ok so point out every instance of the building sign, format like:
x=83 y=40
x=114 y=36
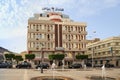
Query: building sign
x=52 y=9
x=59 y=48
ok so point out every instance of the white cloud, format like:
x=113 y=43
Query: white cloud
x=13 y=32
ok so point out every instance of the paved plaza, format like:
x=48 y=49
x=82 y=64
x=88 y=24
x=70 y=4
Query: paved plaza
x=76 y=74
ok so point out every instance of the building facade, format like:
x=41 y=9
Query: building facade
x=105 y=51
x=54 y=32
x=23 y=55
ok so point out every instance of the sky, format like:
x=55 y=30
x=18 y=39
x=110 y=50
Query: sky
x=101 y=16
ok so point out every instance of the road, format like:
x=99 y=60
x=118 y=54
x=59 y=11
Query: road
x=27 y=74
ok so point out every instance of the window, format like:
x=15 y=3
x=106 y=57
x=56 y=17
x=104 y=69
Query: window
x=117 y=43
x=98 y=53
x=40 y=36
x=81 y=28
x=68 y=28
x=51 y=36
x=76 y=37
x=51 y=45
x=69 y=37
x=103 y=45
x=40 y=15
x=47 y=15
x=71 y=28
x=116 y=52
x=61 y=16
x=72 y=36
x=96 y=62
x=89 y=49
x=76 y=28
x=66 y=36
x=48 y=45
x=108 y=44
x=99 y=46
x=66 y=45
x=48 y=37
x=81 y=37
x=65 y=27
x=103 y=53
x=101 y=61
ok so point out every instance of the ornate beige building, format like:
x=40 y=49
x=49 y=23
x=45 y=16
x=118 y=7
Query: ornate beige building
x=105 y=51
x=54 y=32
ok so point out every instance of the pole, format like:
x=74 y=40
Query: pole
x=41 y=60
x=92 y=57
x=93 y=53
x=112 y=56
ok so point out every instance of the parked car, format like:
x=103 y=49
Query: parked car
x=24 y=64
x=5 y=65
x=42 y=65
x=88 y=65
x=75 y=65
x=109 y=65
x=98 y=65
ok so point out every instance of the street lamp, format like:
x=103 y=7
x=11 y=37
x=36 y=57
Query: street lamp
x=111 y=51
x=92 y=47
x=42 y=58
x=92 y=57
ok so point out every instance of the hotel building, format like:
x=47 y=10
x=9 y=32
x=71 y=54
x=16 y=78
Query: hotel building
x=54 y=32
x=105 y=51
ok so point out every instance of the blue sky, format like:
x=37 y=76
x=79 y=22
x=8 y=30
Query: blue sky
x=102 y=16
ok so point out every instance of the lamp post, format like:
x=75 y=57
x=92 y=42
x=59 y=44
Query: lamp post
x=112 y=58
x=92 y=57
x=42 y=58
x=63 y=61
x=92 y=47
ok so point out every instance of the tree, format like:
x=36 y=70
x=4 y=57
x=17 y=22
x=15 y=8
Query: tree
x=10 y=56
x=81 y=57
x=52 y=57
x=30 y=56
x=18 y=58
x=58 y=57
